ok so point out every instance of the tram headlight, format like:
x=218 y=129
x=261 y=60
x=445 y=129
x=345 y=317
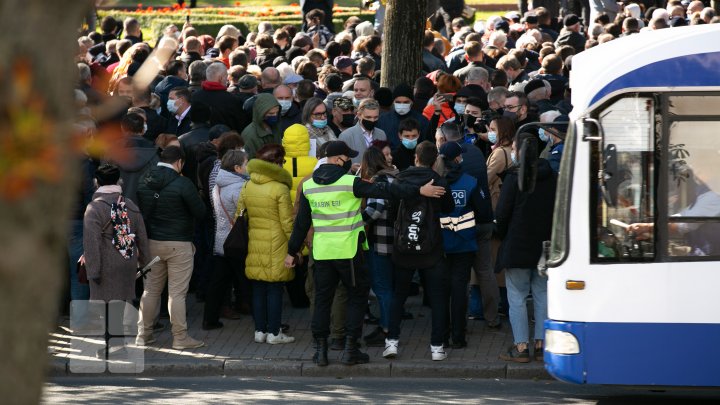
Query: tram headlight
x=561 y=342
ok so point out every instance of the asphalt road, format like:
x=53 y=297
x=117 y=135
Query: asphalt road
x=214 y=390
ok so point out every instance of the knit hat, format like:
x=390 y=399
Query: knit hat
x=247 y=82
x=570 y=20
x=403 y=90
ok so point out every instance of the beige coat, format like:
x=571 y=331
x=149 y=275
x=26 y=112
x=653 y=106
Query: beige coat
x=497 y=163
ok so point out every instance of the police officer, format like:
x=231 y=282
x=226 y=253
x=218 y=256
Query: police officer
x=331 y=203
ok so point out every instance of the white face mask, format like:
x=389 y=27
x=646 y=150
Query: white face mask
x=402 y=108
x=144 y=128
x=285 y=105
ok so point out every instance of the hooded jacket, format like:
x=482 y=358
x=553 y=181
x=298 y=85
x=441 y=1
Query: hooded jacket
x=269 y=210
x=524 y=220
x=171 y=216
x=419 y=176
x=298 y=161
x=225 y=197
x=142 y=156
x=256 y=135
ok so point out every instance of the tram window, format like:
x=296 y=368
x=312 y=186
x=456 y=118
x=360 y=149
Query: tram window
x=694 y=189
x=694 y=105
x=625 y=185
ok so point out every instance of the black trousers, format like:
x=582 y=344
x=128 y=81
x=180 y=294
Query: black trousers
x=459 y=266
x=353 y=273
x=223 y=272
x=436 y=284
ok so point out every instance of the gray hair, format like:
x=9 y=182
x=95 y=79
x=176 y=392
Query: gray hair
x=549 y=116
x=216 y=71
x=232 y=158
x=497 y=94
x=477 y=74
x=84 y=71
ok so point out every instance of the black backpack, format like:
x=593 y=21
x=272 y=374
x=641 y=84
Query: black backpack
x=415 y=227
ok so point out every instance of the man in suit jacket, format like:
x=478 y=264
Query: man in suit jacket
x=178 y=105
x=364 y=132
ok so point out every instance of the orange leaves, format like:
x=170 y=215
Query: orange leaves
x=29 y=153
x=237 y=4
x=294 y=5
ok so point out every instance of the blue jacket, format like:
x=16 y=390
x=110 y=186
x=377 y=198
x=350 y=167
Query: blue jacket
x=389 y=122
x=459 y=228
x=474 y=164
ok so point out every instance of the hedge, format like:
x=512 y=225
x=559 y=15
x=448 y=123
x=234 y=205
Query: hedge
x=209 y=20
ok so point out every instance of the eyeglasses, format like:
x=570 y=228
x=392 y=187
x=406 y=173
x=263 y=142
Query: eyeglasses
x=320 y=114
x=512 y=107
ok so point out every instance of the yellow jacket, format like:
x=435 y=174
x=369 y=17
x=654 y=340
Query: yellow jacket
x=298 y=161
x=266 y=199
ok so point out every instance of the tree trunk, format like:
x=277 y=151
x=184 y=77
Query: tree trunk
x=402 y=49
x=37 y=76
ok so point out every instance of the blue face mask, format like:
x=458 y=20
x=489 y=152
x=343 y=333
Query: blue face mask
x=513 y=157
x=271 y=120
x=492 y=137
x=544 y=136
x=409 y=144
x=285 y=105
x=319 y=123
x=171 y=106
x=459 y=108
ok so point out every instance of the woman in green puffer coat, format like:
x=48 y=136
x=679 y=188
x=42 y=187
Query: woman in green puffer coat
x=266 y=199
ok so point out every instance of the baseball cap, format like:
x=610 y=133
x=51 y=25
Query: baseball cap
x=570 y=20
x=451 y=150
x=343 y=103
x=337 y=148
x=342 y=62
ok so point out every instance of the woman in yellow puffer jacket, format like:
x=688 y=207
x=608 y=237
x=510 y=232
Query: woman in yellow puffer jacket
x=266 y=199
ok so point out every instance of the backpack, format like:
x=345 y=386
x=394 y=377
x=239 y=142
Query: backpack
x=123 y=239
x=415 y=227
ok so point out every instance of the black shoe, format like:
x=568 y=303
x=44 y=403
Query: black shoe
x=212 y=325
x=459 y=344
x=406 y=316
x=352 y=354
x=370 y=318
x=321 y=348
x=497 y=325
x=376 y=338
x=284 y=327
x=513 y=354
x=337 y=344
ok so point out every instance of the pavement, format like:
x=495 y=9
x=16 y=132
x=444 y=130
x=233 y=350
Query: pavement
x=231 y=351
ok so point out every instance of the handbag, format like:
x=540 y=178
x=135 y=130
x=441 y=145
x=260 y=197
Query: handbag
x=236 y=243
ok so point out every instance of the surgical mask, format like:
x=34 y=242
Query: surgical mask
x=285 y=105
x=459 y=108
x=347 y=165
x=368 y=125
x=158 y=110
x=271 y=120
x=513 y=157
x=348 y=120
x=319 y=123
x=144 y=128
x=402 y=108
x=171 y=106
x=544 y=136
x=356 y=102
x=492 y=137
x=409 y=143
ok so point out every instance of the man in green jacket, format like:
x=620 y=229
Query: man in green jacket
x=264 y=128
x=331 y=202
x=170 y=205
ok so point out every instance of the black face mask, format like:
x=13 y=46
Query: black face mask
x=368 y=125
x=347 y=165
x=348 y=120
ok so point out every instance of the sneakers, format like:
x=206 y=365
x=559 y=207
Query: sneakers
x=513 y=354
x=279 y=339
x=187 y=343
x=391 y=348
x=376 y=338
x=438 y=353
x=260 y=336
x=144 y=340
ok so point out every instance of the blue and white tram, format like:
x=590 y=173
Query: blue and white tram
x=634 y=277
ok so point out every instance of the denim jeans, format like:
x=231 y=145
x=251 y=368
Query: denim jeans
x=437 y=283
x=78 y=292
x=458 y=265
x=519 y=284
x=381 y=281
x=475 y=306
x=267 y=306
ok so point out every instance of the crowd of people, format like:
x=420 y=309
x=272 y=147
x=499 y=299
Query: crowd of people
x=346 y=186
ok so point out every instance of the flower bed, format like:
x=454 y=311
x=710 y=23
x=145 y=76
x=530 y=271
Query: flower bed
x=208 y=20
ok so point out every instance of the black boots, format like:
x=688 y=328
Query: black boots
x=352 y=354
x=321 y=348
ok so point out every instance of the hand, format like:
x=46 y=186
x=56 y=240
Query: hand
x=289 y=261
x=316 y=40
x=81 y=260
x=642 y=231
x=437 y=102
x=428 y=190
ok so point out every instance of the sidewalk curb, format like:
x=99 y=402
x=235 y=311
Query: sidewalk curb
x=292 y=368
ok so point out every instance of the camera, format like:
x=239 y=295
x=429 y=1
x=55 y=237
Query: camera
x=481 y=124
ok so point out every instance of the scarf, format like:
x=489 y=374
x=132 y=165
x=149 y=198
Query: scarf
x=109 y=189
x=213 y=86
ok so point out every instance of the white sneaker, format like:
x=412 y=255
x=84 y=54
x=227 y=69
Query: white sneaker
x=438 y=353
x=141 y=340
x=260 y=336
x=279 y=339
x=391 y=348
